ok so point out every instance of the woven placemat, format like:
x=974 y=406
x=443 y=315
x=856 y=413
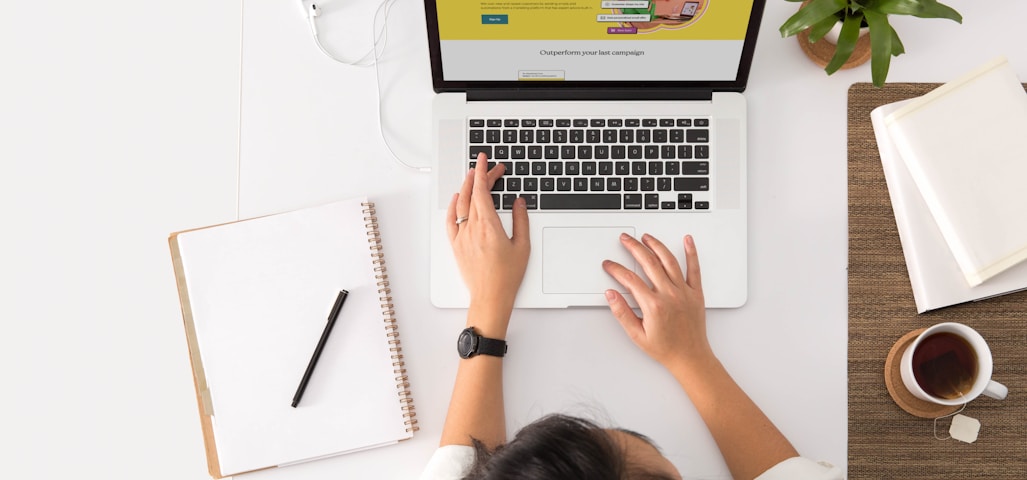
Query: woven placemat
x=886 y=442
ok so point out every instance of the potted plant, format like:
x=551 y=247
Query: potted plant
x=820 y=16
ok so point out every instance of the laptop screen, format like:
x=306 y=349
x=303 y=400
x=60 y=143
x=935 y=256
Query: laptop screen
x=529 y=43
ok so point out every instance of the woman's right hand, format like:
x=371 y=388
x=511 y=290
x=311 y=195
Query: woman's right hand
x=672 y=329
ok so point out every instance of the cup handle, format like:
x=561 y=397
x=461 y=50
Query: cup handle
x=996 y=390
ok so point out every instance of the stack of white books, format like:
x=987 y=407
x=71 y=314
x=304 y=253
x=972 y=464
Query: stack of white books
x=955 y=161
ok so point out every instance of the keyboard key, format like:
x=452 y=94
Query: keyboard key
x=513 y=184
x=597 y=122
x=702 y=205
x=527 y=136
x=632 y=201
x=684 y=201
x=615 y=122
x=672 y=168
x=622 y=168
x=677 y=135
x=508 y=168
x=667 y=205
x=617 y=152
x=596 y=184
x=652 y=152
x=702 y=122
x=563 y=122
x=580 y=201
x=666 y=122
x=530 y=200
x=534 y=152
x=652 y=201
x=477 y=122
x=495 y=201
x=697 y=135
x=476 y=149
x=527 y=122
x=572 y=168
x=548 y=184
x=684 y=122
x=691 y=184
x=517 y=152
x=567 y=152
x=663 y=184
x=613 y=184
x=477 y=136
x=631 y=184
x=643 y=136
x=593 y=136
x=601 y=152
x=494 y=123
x=563 y=184
x=510 y=136
x=635 y=151
x=655 y=168
x=684 y=151
x=547 y=123
x=588 y=168
x=695 y=168
x=543 y=136
x=555 y=168
x=638 y=168
x=559 y=136
x=610 y=136
x=647 y=184
x=552 y=152
x=508 y=200
x=502 y=152
x=580 y=122
x=498 y=186
x=627 y=136
x=576 y=136
x=581 y=184
x=606 y=168
x=649 y=122
x=493 y=136
x=702 y=151
x=511 y=122
x=585 y=152
x=530 y=184
x=667 y=151
x=632 y=122
x=659 y=136
x=538 y=168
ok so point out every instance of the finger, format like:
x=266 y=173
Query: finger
x=650 y=263
x=521 y=235
x=463 y=204
x=626 y=278
x=667 y=259
x=481 y=199
x=693 y=277
x=451 y=227
x=620 y=309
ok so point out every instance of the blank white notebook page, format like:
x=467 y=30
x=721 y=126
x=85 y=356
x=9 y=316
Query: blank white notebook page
x=261 y=291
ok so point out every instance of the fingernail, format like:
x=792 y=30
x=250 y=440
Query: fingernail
x=624 y=236
x=610 y=295
x=646 y=237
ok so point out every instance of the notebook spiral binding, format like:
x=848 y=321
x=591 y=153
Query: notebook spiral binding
x=374 y=240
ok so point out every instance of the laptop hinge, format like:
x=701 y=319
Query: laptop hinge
x=550 y=94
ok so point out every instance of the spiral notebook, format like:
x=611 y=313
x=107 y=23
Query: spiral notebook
x=255 y=297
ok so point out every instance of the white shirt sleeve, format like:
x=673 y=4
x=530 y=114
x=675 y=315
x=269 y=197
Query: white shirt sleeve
x=799 y=468
x=449 y=462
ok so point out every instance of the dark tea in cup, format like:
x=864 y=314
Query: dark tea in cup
x=945 y=365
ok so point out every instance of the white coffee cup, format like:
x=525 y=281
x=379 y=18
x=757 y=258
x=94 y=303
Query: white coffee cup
x=942 y=363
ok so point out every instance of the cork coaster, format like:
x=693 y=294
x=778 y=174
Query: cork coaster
x=898 y=391
x=822 y=51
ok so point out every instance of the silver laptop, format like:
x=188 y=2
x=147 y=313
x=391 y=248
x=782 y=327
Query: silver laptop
x=608 y=121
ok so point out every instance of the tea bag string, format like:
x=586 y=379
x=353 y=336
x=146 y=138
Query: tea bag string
x=946 y=416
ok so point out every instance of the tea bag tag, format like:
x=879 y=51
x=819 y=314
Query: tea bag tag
x=964 y=428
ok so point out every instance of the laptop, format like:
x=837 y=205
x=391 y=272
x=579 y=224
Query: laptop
x=603 y=129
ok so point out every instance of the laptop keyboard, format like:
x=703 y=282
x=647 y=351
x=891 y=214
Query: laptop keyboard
x=597 y=163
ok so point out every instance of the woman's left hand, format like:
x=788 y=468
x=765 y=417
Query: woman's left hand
x=491 y=263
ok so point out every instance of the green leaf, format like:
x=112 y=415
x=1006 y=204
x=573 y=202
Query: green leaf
x=814 y=12
x=819 y=29
x=916 y=8
x=896 y=44
x=880 y=46
x=846 y=43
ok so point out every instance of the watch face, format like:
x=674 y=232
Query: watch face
x=465 y=344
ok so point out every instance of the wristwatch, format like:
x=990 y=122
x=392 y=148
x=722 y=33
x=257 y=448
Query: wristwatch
x=470 y=344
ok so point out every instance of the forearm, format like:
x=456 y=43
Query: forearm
x=749 y=441
x=476 y=408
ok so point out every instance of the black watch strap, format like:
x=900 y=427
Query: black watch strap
x=491 y=346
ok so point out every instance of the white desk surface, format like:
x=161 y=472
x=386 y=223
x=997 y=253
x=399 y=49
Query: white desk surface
x=125 y=121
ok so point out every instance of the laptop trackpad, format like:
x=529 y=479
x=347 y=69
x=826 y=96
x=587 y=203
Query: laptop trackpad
x=572 y=258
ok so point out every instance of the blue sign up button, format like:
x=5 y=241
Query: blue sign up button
x=495 y=19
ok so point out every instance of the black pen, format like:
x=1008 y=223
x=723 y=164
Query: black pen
x=320 y=346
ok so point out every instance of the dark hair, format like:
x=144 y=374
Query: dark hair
x=557 y=447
